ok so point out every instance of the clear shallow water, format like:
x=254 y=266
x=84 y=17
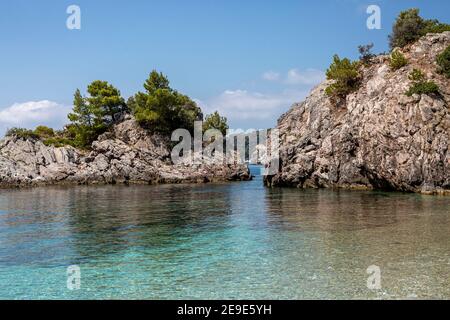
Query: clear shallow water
x=222 y=241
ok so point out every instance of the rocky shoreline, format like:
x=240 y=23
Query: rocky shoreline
x=380 y=138
x=126 y=154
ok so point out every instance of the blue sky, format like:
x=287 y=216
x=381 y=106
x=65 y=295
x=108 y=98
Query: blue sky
x=249 y=59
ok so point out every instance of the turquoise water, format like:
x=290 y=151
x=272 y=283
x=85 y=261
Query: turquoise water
x=222 y=241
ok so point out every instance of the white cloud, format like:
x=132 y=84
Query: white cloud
x=296 y=77
x=251 y=108
x=271 y=76
x=254 y=108
x=305 y=77
x=33 y=113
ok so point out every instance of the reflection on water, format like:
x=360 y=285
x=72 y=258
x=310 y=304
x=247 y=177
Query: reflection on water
x=236 y=240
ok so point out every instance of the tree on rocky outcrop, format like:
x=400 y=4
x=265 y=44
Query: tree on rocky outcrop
x=92 y=115
x=365 y=53
x=410 y=26
x=81 y=113
x=216 y=121
x=161 y=108
x=84 y=125
x=407 y=28
x=105 y=102
x=345 y=74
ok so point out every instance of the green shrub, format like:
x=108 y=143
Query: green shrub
x=58 y=142
x=345 y=74
x=397 y=60
x=81 y=136
x=47 y=135
x=44 y=132
x=410 y=26
x=434 y=26
x=21 y=133
x=417 y=76
x=443 y=61
x=215 y=121
x=428 y=87
x=420 y=85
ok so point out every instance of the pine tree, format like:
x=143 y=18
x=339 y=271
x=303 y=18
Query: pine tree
x=105 y=102
x=156 y=81
x=81 y=113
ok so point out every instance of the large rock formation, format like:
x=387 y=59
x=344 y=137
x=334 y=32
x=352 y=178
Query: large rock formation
x=379 y=139
x=126 y=154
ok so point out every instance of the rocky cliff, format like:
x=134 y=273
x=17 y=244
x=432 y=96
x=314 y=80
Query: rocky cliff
x=378 y=139
x=125 y=154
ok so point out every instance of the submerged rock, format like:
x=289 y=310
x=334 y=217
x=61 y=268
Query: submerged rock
x=125 y=154
x=379 y=139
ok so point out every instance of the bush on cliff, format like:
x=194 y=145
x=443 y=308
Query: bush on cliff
x=21 y=133
x=420 y=85
x=44 y=132
x=443 y=61
x=397 y=60
x=161 y=108
x=59 y=142
x=216 y=121
x=345 y=74
x=434 y=26
x=410 y=26
x=365 y=53
x=47 y=135
x=51 y=137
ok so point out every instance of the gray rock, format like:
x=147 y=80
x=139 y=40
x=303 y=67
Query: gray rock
x=380 y=139
x=126 y=154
